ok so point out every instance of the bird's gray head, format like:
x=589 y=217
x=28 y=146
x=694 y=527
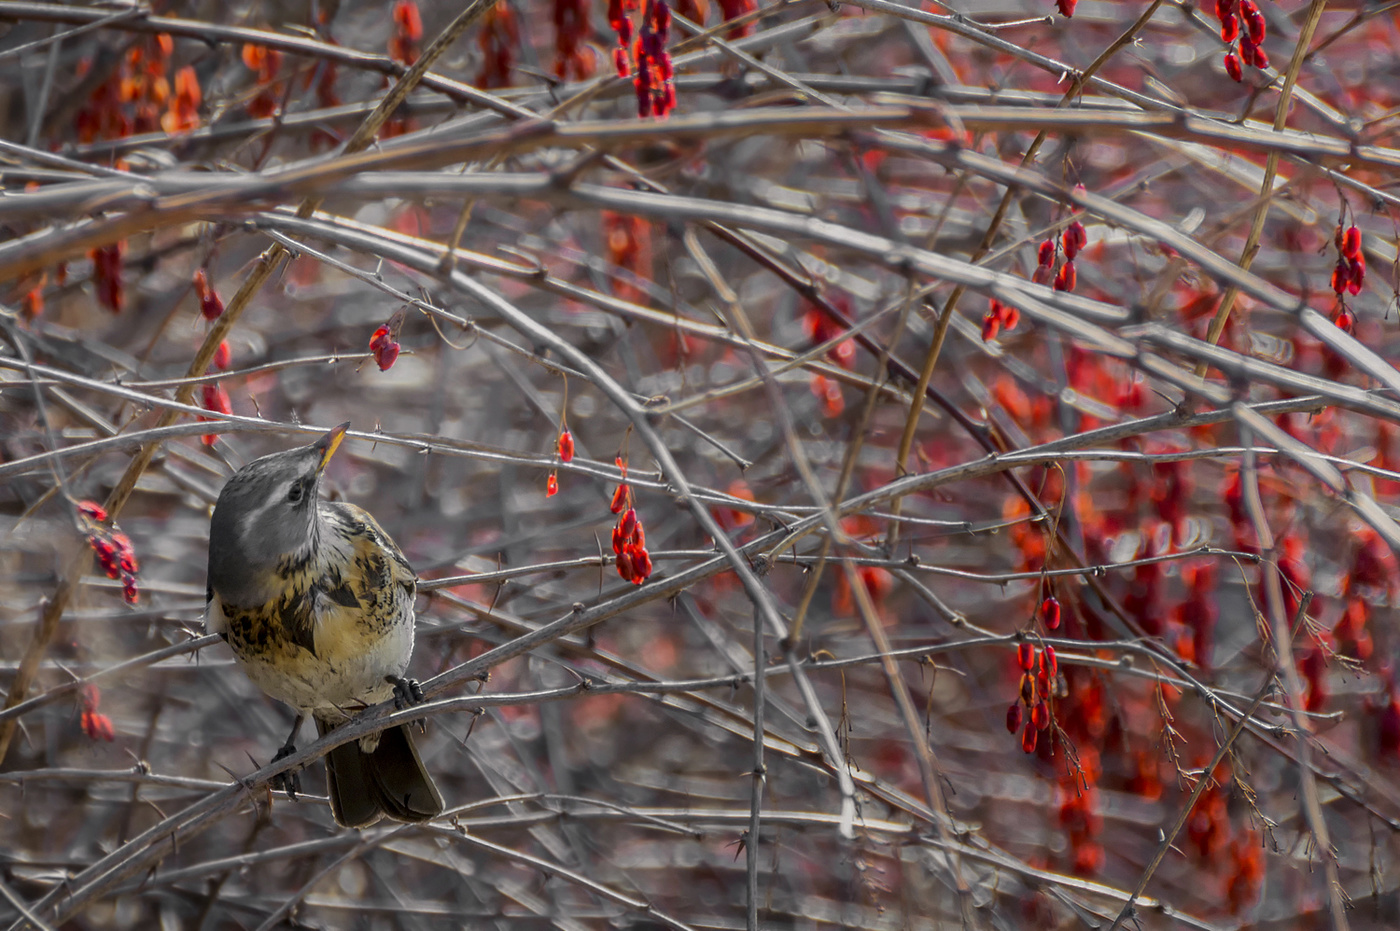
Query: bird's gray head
x=266 y=515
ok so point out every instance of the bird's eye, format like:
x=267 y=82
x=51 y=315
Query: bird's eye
x=295 y=492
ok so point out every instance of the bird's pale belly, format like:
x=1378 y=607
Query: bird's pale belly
x=351 y=666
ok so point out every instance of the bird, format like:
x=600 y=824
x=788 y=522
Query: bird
x=316 y=601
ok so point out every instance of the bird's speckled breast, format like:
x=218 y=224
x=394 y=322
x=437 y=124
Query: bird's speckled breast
x=342 y=623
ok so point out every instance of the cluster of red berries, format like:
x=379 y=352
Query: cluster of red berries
x=107 y=275
x=384 y=342
x=1251 y=39
x=620 y=19
x=1072 y=241
x=1038 y=671
x=998 y=317
x=408 y=32
x=656 y=91
x=1350 y=271
x=647 y=61
x=115 y=553
x=564 y=447
x=96 y=726
x=629 y=540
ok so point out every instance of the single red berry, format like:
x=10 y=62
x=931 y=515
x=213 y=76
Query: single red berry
x=1046 y=253
x=1253 y=21
x=551 y=486
x=990 y=326
x=1229 y=27
x=94 y=510
x=1010 y=316
x=566 y=446
x=1232 y=66
x=1346 y=321
x=1066 y=7
x=1350 y=242
x=1050 y=612
x=1358 y=274
x=1028 y=739
x=1073 y=239
x=386 y=356
x=1341 y=275
x=1025 y=656
x=1040 y=715
x=1013 y=717
x=1049 y=662
x=628 y=524
x=223 y=356
x=619 y=499
x=1066 y=279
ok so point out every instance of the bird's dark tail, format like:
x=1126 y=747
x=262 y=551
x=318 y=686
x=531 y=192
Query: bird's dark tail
x=389 y=781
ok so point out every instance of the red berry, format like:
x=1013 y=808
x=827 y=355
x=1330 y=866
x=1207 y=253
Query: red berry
x=1229 y=27
x=551 y=486
x=1040 y=715
x=1046 y=253
x=990 y=326
x=94 y=510
x=223 y=356
x=1253 y=21
x=566 y=446
x=1358 y=274
x=1232 y=66
x=1350 y=245
x=619 y=498
x=1013 y=717
x=1025 y=656
x=1066 y=279
x=1050 y=612
x=1028 y=739
x=1073 y=239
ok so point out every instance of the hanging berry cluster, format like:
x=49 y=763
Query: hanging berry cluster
x=115 y=553
x=629 y=540
x=107 y=275
x=1250 y=39
x=564 y=449
x=265 y=63
x=1072 y=241
x=214 y=396
x=1038 y=671
x=1348 y=274
x=384 y=342
x=136 y=98
x=646 y=60
x=408 y=32
x=998 y=317
x=498 y=37
x=575 y=59
x=97 y=726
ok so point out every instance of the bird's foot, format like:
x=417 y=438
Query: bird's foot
x=290 y=781
x=407 y=692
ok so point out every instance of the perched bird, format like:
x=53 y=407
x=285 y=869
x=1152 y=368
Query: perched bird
x=317 y=603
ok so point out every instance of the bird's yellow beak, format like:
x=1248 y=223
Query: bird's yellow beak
x=328 y=445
